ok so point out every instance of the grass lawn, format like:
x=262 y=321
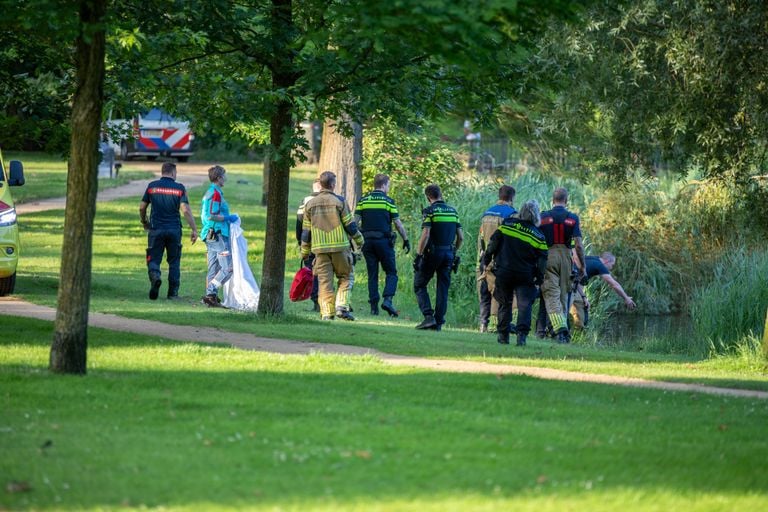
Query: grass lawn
x=46 y=177
x=166 y=425
x=120 y=287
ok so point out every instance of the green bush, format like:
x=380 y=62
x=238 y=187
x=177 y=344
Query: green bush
x=412 y=160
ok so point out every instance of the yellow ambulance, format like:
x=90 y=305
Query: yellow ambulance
x=11 y=176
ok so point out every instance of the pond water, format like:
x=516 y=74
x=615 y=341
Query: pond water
x=629 y=329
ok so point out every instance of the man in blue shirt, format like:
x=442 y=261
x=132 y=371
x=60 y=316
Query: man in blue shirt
x=492 y=218
x=163 y=228
x=596 y=266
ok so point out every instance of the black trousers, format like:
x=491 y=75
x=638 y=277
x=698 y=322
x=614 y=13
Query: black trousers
x=509 y=286
x=166 y=241
x=437 y=262
x=380 y=251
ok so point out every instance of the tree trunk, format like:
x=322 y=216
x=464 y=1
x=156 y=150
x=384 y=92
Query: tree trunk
x=280 y=132
x=343 y=156
x=70 y=337
x=265 y=180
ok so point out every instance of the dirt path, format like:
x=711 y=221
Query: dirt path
x=18 y=308
x=191 y=175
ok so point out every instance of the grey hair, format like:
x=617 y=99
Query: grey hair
x=531 y=212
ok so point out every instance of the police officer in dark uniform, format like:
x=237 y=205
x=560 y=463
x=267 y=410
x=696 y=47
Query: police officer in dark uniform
x=167 y=197
x=562 y=230
x=517 y=256
x=376 y=212
x=489 y=223
x=441 y=237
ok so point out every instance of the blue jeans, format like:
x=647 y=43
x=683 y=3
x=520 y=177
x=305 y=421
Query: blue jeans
x=219 y=263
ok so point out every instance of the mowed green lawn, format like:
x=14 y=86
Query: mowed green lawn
x=164 y=425
x=120 y=287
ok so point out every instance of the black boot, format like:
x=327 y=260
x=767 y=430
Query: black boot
x=427 y=323
x=154 y=289
x=345 y=315
x=521 y=339
x=563 y=337
x=315 y=306
x=374 y=308
x=389 y=307
x=503 y=338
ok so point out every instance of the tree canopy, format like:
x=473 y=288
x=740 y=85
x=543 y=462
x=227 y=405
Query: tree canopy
x=675 y=83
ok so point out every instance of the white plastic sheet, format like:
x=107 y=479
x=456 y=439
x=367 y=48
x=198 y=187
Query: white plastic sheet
x=241 y=291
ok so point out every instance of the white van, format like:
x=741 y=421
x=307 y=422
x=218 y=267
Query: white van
x=153 y=134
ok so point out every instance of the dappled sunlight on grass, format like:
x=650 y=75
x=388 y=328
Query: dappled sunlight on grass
x=186 y=426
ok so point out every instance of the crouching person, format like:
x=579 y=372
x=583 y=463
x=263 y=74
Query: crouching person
x=517 y=256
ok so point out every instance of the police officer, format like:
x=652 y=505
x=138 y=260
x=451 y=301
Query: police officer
x=561 y=229
x=299 y=228
x=596 y=266
x=489 y=223
x=327 y=229
x=376 y=213
x=163 y=228
x=441 y=237
x=517 y=256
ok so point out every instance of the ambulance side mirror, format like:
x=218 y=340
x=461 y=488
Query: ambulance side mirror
x=16 y=175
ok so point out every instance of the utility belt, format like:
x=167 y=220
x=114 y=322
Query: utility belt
x=431 y=249
x=377 y=235
x=212 y=235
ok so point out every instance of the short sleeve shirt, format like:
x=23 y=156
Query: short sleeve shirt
x=376 y=211
x=595 y=267
x=165 y=197
x=443 y=223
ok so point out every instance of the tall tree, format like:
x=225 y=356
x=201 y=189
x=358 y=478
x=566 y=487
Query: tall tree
x=70 y=339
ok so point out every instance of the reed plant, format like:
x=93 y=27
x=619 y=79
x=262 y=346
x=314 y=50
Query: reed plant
x=729 y=311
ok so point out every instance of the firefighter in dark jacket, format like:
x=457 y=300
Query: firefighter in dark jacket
x=517 y=256
x=376 y=213
x=561 y=229
x=441 y=237
x=167 y=197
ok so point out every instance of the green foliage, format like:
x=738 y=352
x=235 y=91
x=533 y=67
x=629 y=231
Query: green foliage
x=35 y=85
x=729 y=312
x=649 y=84
x=412 y=160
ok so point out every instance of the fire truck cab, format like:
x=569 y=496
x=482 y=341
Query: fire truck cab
x=153 y=134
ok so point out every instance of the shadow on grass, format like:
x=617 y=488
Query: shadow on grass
x=179 y=425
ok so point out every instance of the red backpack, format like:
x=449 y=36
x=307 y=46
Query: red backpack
x=301 y=287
